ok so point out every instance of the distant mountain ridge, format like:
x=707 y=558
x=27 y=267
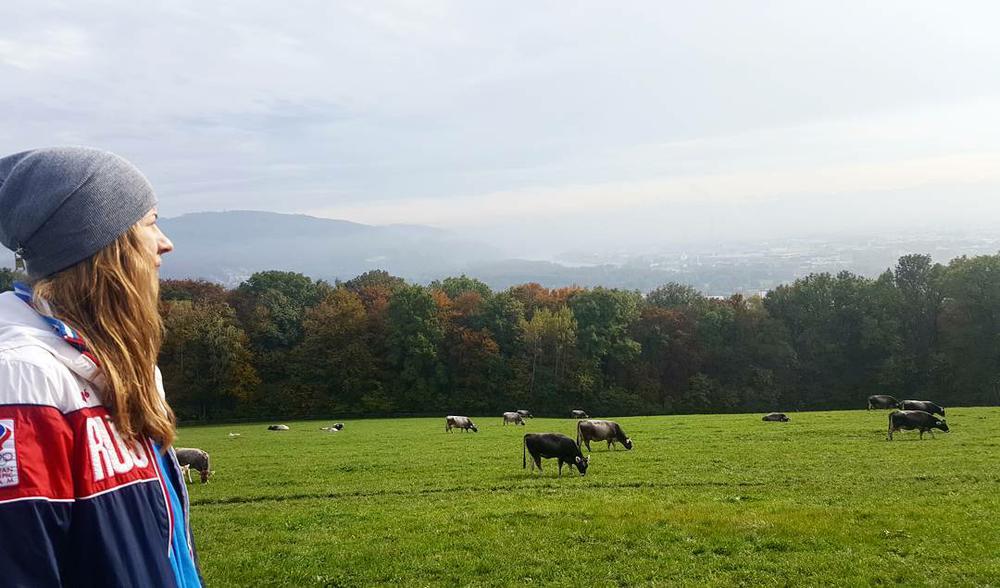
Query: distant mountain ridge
x=228 y=246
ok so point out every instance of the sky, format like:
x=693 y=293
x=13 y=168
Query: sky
x=540 y=126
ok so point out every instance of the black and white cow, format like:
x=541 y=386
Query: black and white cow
x=882 y=401
x=549 y=446
x=525 y=414
x=579 y=414
x=914 y=419
x=277 y=427
x=595 y=430
x=924 y=405
x=196 y=459
x=459 y=422
x=777 y=417
x=512 y=418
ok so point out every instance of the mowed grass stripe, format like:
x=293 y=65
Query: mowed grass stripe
x=720 y=499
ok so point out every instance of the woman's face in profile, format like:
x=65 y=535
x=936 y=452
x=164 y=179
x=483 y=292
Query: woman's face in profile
x=155 y=241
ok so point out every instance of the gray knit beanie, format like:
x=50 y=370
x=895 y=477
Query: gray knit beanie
x=60 y=205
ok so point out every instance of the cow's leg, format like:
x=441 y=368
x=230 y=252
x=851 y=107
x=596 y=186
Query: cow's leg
x=560 y=467
x=538 y=462
x=611 y=444
x=587 y=441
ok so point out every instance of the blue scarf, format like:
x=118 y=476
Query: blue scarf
x=23 y=291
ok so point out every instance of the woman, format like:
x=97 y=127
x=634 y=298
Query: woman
x=90 y=491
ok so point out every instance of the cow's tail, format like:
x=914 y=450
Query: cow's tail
x=579 y=433
x=524 y=453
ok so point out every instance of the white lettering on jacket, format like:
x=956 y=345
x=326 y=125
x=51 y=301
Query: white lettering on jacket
x=109 y=454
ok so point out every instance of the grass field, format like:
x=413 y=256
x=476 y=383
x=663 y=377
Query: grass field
x=722 y=500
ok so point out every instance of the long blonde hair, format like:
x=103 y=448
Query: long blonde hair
x=112 y=298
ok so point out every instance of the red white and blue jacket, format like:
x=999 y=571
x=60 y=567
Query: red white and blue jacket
x=78 y=505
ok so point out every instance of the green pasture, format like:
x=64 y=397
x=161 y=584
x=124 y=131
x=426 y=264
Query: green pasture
x=724 y=500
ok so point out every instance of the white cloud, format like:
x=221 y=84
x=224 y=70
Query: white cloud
x=556 y=203
x=60 y=45
x=451 y=112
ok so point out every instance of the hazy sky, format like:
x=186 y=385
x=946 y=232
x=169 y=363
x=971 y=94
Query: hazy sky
x=545 y=125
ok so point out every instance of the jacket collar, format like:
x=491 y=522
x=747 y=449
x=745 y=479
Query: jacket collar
x=21 y=326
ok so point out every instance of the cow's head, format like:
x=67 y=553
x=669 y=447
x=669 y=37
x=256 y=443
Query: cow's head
x=474 y=429
x=627 y=443
x=205 y=475
x=941 y=424
x=581 y=464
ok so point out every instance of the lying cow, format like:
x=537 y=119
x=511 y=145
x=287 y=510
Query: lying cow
x=594 y=430
x=579 y=414
x=196 y=459
x=777 y=417
x=512 y=417
x=525 y=414
x=914 y=419
x=277 y=427
x=549 y=446
x=459 y=422
x=882 y=401
x=924 y=405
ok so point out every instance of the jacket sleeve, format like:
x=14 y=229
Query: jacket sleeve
x=36 y=486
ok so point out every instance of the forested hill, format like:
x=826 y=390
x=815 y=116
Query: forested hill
x=283 y=345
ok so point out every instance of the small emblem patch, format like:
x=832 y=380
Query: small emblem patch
x=85 y=395
x=8 y=454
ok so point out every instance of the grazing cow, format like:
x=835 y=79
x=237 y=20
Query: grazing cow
x=197 y=459
x=277 y=427
x=882 y=401
x=578 y=414
x=914 y=419
x=512 y=417
x=778 y=417
x=459 y=422
x=924 y=405
x=552 y=445
x=594 y=430
x=525 y=414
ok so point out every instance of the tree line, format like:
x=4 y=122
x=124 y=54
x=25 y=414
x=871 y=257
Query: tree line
x=281 y=345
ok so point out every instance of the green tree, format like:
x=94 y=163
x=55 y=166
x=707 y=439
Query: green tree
x=918 y=283
x=969 y=332
x=8 y=277
x=335 y=361
x=455 y=287
x=206 y=363
x=414 y=334
x=674 y=295
x=271 y=306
